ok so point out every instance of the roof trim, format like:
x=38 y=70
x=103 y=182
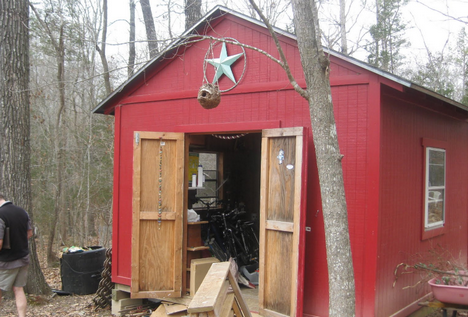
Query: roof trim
x=221 y=10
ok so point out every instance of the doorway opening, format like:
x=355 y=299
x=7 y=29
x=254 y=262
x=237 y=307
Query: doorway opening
x=261 y=174
x=223 y=173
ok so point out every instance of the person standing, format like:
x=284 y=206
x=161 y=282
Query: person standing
x=14 y=260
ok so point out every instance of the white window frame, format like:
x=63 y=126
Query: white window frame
x=429 y=188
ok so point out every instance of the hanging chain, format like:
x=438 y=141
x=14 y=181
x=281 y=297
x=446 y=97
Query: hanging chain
x=104 y=292
x=229 y=137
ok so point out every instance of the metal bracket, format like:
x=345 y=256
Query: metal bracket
x=137 y=138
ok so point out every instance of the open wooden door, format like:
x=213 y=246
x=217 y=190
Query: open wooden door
x=158 y=179
x=281 y=222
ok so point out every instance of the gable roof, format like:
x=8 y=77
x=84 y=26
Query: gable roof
x=106 y=106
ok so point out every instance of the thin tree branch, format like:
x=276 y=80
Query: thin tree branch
x=285 y=64
x=458 y=19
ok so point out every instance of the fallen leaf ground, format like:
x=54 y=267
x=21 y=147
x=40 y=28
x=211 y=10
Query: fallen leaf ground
x=67 y=306
x=63 y=306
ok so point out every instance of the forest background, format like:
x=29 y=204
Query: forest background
x=81 y=50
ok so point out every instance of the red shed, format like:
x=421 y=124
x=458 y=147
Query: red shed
x=405 y=169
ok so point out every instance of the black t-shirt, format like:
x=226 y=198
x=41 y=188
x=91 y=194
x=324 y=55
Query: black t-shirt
x=17 y=219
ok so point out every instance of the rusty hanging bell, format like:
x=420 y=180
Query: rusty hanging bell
x=209 y=96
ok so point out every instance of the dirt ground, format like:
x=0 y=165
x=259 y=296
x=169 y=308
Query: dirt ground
x=72 y=306
x=63 y=306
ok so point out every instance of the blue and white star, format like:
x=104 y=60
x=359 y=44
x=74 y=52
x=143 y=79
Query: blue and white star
x=223 y=64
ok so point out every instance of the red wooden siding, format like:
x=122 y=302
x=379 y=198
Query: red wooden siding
x=351 y=114
x=401 y=196
x=381 y=147
x=166 y=102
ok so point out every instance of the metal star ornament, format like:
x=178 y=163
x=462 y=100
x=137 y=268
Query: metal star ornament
x=223 y=64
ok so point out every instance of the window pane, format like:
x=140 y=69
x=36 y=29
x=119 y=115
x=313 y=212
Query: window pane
x=436 y=168
x=436 y=157
x=436 y=206
x=436 y=175
x=208 y=193
x=209 y=189
x=435 y=187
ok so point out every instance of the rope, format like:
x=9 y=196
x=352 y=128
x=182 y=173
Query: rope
x=78 y=272
x=104 y=292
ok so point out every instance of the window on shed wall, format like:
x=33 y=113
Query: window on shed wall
x=209 y=192
x=435 y=188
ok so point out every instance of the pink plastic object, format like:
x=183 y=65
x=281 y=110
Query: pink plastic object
x=452 y=294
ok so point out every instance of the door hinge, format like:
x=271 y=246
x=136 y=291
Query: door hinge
x=137 y=138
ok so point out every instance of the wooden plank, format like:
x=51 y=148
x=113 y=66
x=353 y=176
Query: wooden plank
x=237 y=292
x=221 y=298
x=118 y=305
x=283 y=132
x=236 y=308
x=157 y=245
x=174 y=308
x=203 y=222
x=136 y=215
x=184 y=300
x=208 y=314
x=185 y=261
x=181 y=314
x=200 y=248
x=122 y=287
x=151 y=215
x=194 y=238
x=227 y=306
x=207 y=295
x=159 y=312
x=272 y=313
x=264 y=191
x=279 y=225
x=119 y=294
x=297 y=223
x=198 y=270
x=163 y=311
x=180 y=210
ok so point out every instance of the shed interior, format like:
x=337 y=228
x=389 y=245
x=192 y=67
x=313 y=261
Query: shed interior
x=228 y=200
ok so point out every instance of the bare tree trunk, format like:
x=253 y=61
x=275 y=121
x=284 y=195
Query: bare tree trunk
x=102 y=50
x=60 y=139
x=378 y=40
x=315 y=66
x=343 y=33
x=150 y=29
x=59 y=143
x=131 y=42
x=316 y=70
x=192 y=12
x=15 y=154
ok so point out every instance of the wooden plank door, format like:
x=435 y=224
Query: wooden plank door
x=281 y=222
x=158 y=179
